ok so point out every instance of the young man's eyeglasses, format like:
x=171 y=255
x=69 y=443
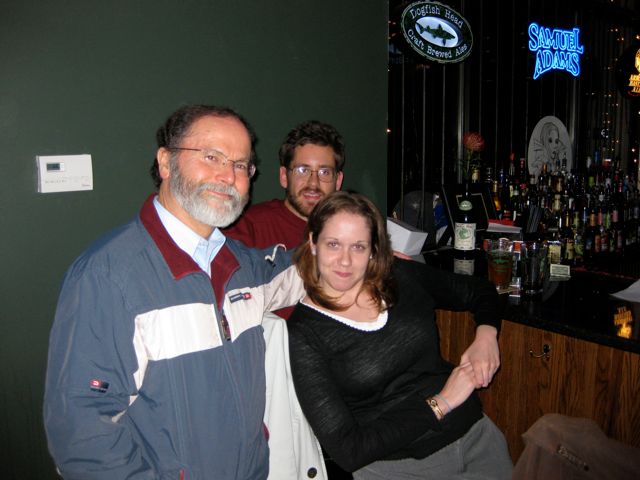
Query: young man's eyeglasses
x=325 y=174
x=219 y=160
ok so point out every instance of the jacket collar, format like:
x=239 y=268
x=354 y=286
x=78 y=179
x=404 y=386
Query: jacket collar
x=178 y=261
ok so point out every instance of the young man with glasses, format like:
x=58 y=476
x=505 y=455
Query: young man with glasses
x=156 y=358
x=312 y=158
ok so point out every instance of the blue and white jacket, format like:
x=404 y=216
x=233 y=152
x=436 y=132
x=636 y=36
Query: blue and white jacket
x=144 y=380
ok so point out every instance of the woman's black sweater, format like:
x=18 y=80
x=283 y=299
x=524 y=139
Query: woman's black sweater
x=364 y=392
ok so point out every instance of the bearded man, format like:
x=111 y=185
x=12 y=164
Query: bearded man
x=312 y=158
x=156 y=355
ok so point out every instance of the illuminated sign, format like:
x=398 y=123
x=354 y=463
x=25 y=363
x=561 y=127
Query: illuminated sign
x=634 y=80
x=436 y=32
x=555 y=49
x=623 y=320
x=628 y=72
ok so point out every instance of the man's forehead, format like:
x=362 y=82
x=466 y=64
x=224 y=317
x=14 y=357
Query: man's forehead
x=220 y=131
x=213 y=124
x=320 y=153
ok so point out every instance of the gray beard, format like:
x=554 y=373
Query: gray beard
x=189 y=196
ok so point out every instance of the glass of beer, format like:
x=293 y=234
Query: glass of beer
x=500 y=262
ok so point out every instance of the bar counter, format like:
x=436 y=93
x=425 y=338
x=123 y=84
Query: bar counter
x=580 y=307
x=560 y=353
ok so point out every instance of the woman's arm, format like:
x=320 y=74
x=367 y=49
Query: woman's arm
x=477 y=295
x=483 y=354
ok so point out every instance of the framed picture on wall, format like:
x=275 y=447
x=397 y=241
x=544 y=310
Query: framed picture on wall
x=483 y=206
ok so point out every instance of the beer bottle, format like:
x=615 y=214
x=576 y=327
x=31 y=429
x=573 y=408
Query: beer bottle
x=464 y=242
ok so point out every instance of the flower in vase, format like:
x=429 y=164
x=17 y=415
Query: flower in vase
x=473 y=144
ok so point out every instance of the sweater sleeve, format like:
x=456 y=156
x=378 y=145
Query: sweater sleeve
x=455 y=292
x=89 y=383
x=351 y=445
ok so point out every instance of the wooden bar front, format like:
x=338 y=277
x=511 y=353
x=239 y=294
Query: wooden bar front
x=576 y=377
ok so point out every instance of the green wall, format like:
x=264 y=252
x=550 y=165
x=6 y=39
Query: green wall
x=98 y=77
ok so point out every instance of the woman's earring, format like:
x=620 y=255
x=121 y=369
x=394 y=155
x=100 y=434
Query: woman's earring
x=313 y=252
x=371 y=256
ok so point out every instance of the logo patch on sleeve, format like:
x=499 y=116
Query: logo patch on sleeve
x=239 y=296
x=98 y=385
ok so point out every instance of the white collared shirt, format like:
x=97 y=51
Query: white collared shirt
x=201 y=250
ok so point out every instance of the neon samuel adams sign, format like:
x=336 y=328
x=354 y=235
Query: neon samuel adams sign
x=436 y=32
x=555 y=49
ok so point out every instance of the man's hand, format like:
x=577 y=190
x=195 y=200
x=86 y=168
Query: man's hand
x=483 y=355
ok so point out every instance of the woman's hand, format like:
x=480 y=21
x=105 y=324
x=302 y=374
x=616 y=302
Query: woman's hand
x=483 y=355
x=460 y=384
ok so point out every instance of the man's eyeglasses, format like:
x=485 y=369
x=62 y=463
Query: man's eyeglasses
x=219 y=160
x=325 y=174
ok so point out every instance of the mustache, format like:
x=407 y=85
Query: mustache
x=311 y=190
x=220 y=188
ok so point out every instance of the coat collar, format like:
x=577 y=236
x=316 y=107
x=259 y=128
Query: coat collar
x=178 y=261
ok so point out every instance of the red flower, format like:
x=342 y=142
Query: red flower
x=473 y=141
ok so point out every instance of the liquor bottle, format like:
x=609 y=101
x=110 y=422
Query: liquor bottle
x=496 y=198
x=596 y=214
x=506 y=192
x=523 y=173
x=544 y=180
x=567 y=239
x=605 y=231
x=616 y=241
x=590 y=239
x=464 y=242
x=517 y=208
x=578 y=239
x=630 y=232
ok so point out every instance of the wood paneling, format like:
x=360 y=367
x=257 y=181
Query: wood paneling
x=578 y=378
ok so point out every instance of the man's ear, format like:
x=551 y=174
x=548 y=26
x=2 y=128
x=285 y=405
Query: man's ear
x=284 y=181
x=339 y=178
x=163 y=156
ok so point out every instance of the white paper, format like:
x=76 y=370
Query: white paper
x=501 y=228
x=630 y=294
x=405 y=238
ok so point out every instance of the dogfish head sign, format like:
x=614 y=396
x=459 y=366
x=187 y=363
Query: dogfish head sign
x=436 y=32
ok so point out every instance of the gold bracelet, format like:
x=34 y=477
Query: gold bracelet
x=433 y=403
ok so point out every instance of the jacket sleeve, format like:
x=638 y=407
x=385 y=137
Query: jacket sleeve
x=90 y=382
x=351 y=444
x=283 y=286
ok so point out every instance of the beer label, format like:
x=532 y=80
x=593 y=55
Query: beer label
x=465 y=205
x=464 y=267
x=464 y=236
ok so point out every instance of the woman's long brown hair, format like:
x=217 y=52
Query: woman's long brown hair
x=378 y=280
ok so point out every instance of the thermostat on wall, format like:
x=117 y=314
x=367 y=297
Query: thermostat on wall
x=64 y=173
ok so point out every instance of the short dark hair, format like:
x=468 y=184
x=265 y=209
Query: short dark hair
x=177 y=126
x=315 y=133
x=378 y=276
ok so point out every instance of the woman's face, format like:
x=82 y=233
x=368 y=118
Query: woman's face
x=553 y=143
x=342 y=255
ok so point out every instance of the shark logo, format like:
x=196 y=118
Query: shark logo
x=436 y=32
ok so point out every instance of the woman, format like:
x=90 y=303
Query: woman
x=365 y=354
